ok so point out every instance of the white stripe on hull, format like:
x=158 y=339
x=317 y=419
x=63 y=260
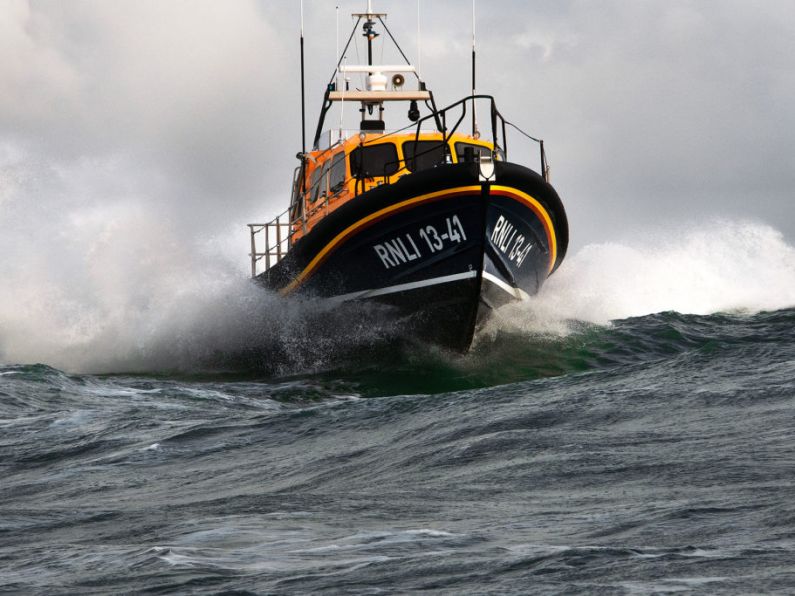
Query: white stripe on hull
x=517 y=293
x=404 y=287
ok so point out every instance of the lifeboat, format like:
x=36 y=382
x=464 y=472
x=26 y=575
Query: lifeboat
x=434 y=222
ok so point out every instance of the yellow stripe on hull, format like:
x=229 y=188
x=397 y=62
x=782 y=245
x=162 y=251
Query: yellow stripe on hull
x=537 y=208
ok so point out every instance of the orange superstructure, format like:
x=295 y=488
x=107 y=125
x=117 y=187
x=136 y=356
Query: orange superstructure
x=361 y=162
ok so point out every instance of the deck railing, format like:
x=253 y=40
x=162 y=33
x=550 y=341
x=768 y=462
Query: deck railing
x=275 y=237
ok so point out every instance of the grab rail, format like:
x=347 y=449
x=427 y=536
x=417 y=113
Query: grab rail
x=277 y=235
x=498 y=125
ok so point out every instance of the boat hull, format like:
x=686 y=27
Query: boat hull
x=439 y=246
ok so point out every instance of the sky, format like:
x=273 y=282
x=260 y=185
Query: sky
x=652 y=111
x=137 y=140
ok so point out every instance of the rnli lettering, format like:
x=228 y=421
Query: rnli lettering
x=396 y=252
x=403 y=249
x=507 y=239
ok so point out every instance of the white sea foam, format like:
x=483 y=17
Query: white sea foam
x=111 y=288
x=718 y=266
x=115 y=292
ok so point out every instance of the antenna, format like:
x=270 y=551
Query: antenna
x=419 y=45
x=475 y=132
x=337 y=71
x=303 y=92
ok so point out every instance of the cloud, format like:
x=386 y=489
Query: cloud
x=657 y=109
x=647 y=108
x=178 y=91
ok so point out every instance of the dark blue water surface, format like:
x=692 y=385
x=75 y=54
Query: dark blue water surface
x=655 y=454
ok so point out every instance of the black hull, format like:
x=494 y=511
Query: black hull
x=439 y=246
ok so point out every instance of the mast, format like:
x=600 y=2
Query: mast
x=376 y=91
x=369 y=32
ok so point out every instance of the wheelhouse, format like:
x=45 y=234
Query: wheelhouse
x=357 y=164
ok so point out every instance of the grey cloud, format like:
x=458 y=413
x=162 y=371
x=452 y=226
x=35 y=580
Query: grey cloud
x=649 y=109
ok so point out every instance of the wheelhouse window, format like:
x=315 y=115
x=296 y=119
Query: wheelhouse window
x=460 y=151
x=423 y=155
x=371 y=161
x=296 y=200
x=318 y=181
x=337 y=172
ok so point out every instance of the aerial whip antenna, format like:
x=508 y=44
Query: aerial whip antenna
x=337 y=71
x=303 y=92
x=419 y=45
x=475 y=132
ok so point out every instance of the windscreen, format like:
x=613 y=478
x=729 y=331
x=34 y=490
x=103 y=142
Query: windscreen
x=423 y=155
x=370 y=161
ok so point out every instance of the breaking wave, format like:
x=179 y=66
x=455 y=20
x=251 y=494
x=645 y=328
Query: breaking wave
x=721 y=266
x=111 y=300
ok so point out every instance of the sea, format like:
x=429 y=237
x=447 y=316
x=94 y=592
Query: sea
x=631 y=430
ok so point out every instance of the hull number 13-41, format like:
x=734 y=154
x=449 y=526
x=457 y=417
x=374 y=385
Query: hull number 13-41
x=404 y=249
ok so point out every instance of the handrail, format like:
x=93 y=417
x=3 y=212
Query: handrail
x=275 y=248
x=498 y=123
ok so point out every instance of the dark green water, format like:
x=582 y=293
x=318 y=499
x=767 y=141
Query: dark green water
x=654 y=454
